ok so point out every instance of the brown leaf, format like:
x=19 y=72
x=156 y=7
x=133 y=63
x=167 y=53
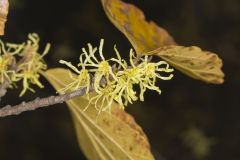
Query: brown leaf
x=193 y=61
x=3 y=14
x=144 y=36
x=109 y=136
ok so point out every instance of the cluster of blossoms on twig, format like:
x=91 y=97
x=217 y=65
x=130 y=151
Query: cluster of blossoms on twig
x=114 y=79
x=22 y=62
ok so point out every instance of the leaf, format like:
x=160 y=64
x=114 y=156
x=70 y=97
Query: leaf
x=144 y=36
x=148 y=38
x=193 y=61
x=113 y=136
x=3 y=14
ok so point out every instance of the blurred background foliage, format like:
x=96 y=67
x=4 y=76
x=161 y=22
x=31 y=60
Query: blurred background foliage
x=190 y=120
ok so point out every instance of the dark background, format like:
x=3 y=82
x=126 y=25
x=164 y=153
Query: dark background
x=185 y=104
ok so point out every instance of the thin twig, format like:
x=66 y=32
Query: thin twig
x=39 y=103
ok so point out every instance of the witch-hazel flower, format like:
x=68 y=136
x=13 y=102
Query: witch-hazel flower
x=32 y=64
x=114 y=79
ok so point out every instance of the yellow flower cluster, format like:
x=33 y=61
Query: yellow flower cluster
x=114 y=79
x=5 y=67
x=29 y=66
x=7 y=60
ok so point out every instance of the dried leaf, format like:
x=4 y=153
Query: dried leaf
x=3 y=14
x=144 y=36
x=108 y=136
x=193 y=61
x=148 y=38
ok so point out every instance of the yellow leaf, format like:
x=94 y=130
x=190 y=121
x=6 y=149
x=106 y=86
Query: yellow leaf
x=3 y=14
x=148 y=38
x=144 y=36
x=193 y=61
x=113 y=136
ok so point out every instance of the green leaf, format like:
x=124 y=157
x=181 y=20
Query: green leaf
x=107 y=136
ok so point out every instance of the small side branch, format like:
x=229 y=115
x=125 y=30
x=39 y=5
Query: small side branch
x=38 y=103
